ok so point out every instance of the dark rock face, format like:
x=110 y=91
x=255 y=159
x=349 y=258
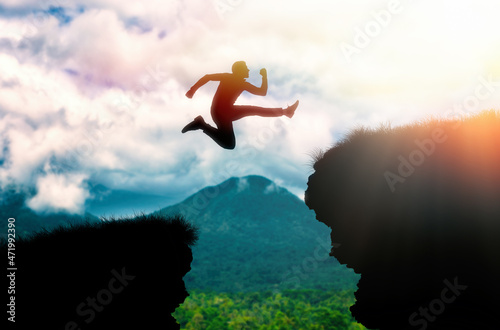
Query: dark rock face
x=416 y=211
x=123 y=274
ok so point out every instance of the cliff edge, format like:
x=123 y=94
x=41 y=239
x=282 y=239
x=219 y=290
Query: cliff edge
x=416 y=211
x=117 y=274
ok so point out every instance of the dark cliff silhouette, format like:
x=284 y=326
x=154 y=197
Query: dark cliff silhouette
x=223 y=110
x=118 y=274
x=416 y=211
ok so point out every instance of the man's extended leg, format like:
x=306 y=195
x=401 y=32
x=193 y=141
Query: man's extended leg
x=250 y=110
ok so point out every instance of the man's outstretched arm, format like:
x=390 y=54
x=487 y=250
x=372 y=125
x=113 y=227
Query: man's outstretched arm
x=206 y=78
x=262 y=90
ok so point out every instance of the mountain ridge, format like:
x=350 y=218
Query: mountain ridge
x=122 y=203
x=256 y=235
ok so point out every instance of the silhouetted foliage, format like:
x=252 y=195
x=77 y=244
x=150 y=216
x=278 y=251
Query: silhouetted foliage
x=116 y=274
x=416 y=211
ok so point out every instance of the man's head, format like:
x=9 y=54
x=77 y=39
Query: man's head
x=240 y=69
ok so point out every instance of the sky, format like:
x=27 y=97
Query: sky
x=93 y=92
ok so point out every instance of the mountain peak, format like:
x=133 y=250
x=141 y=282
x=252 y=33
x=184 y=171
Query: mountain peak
x=250 y=183
x=253 y=233
x=251 y=192
x=254 y=181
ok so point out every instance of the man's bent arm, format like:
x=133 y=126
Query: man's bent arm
x=262 y=90
x=206 y=78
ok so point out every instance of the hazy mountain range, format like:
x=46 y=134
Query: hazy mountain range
x=108 y=202
x=12 y=205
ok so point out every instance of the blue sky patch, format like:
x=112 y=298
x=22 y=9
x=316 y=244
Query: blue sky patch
x=60 y=14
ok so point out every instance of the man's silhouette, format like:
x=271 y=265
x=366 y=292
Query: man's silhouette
x=223 y=110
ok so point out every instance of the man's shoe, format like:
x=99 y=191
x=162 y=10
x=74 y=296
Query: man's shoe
x=197 y=123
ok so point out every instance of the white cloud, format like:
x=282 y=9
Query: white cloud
x=242 y=185
x=59 y=193
x=271 y=188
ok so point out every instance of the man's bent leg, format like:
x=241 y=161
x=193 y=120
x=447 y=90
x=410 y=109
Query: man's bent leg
x=223 y=135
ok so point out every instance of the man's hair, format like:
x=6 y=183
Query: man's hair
x=238 y=67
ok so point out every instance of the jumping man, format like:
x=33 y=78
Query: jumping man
x=223 y=110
